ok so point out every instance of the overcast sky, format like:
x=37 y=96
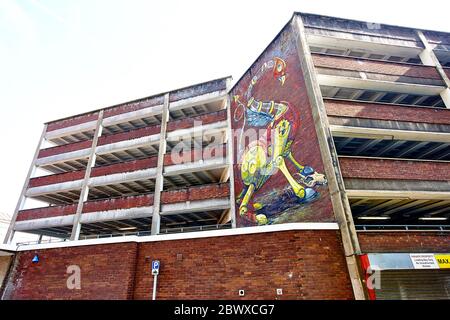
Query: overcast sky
x=59 y=58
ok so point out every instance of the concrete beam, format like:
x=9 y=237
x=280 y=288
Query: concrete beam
x=210 y=129
x=331 y=42
x=195 y=206
x=122 y=177
x=54 y=188
x=45 y=223
x=82 y=127
x=63 y=157
x=377 y=85
x=200 y=165
x=397 y=194
x=388 y=134
x=198 y=100
x=115 y=215
x=128 y=144
x=76 y=226
x=134 y=115
x=340 y=203
x=159 y=183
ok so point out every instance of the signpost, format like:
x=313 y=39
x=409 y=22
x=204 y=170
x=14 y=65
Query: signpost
x=155 y=271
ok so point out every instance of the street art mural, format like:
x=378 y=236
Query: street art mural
x=278 y=170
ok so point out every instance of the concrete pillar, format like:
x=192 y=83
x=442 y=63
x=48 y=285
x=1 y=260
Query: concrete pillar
x=341 y=205
x=230 y=157
x=429 y=58
x=22 y=198
x=159 y=184
x=445 y=95
x=76 y=227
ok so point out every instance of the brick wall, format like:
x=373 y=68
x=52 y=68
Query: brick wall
x=209 y=152
x=129 y=135
x=65 y=148
x=107 y=272
x=380 y=111
x=381 y=67
x=56 y=178
x=46 y=212
x=133 y=106
x=72 y=121
x=430 y=242
x=203 y=119
x=365 y=168
x=202 y=192
x=118 y=203
x=305 y=264
x=210 y=191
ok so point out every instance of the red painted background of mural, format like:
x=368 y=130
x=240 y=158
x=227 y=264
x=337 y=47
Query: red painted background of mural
x=274 y=197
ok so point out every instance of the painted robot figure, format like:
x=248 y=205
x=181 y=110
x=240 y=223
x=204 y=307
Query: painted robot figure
x=261 y=160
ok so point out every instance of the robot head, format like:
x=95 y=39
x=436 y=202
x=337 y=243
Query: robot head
x=279 y=69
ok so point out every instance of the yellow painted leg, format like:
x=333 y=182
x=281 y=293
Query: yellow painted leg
x=296 y=187
x=243 y=207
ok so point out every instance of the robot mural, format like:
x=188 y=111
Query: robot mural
x=263 y=158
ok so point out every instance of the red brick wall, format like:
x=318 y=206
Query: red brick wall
x=56 y=178
x=365 y=168
x=134 y=106
x=65 y=148
x=203 y=192
x=305 y=264
x=107 y=272
x=381 y=67
x=128 y=166
x=430 y=242
x=72 y=121
x=204 y=119
x=118 y=203
x=386 y=112
x=195 y=155
x=133 y=134
x=210 y=191
x=46 y=212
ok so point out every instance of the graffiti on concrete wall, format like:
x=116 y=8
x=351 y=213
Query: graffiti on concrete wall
x=278 y=172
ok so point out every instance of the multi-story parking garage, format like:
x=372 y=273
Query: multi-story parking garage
x=328 y=159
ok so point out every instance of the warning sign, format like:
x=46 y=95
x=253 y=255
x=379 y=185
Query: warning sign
x=443 y=260
x=424 y=261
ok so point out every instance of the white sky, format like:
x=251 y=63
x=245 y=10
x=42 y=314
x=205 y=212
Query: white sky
x=59 y=58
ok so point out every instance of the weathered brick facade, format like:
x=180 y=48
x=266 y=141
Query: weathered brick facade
x=305 y=264
x=366 y=168
x=107 y=272
x=381 y=67
x=379 y=111
x=393 y=242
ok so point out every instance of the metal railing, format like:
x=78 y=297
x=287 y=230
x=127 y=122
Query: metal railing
x=411 y=228
x=137 y=233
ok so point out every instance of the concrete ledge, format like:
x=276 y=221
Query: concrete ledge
x=87 y=126
x=133 y=115
x=377 y=85
x=388 y=134
x=332 y=226
x=395 y=194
